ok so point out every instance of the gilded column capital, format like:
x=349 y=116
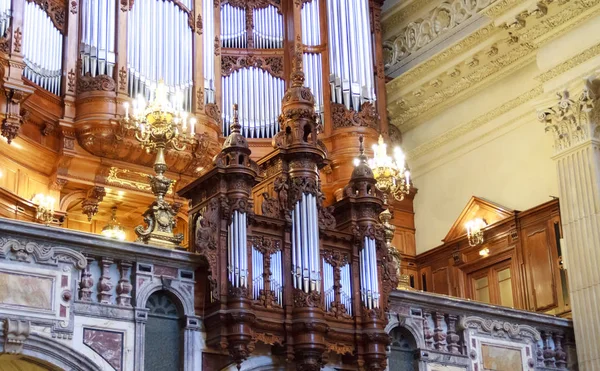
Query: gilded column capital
x=573 y=117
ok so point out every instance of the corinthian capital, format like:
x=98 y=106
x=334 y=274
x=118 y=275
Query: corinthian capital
x=573 y=118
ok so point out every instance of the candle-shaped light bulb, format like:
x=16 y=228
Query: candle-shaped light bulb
x=407 y=176
x=192 y=126
x=126 y=105
x=184 y=116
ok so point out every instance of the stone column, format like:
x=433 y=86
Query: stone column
x=573 y=120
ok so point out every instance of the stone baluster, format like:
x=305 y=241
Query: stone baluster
x=439 y=336
x=104 y=284
x=86 y=283
x=427 y=333
x=560 y=356
x=452 y=338
x=548 y=349
x=124 y=286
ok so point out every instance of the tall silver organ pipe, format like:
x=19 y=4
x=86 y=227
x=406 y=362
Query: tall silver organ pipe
x=313 y=70
x=268 y=28
x=209 y=51
x=369 y=285
x=351 y=53
x=276 y=276
x=160 y=48
x=258 y=95
x=328 y=281
x=233 y=27
x=5 y=14
x=306 y=271
x=311 y=23
x=346 y=297
x=42 y=49
x=97 y=47
x=237 y=251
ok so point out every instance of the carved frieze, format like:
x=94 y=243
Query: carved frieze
x=41 y=254
x=97 y=83
x=366 y=117
x=94 y=196
x=254 y=4
x=273 y=65
x=307 y=300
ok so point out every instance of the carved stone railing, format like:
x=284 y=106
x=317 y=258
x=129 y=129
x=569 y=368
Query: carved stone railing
x=89 y=291
x=472 y=335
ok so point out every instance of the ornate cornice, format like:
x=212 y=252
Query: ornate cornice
x=419 y=95
x=569 y=64
x=457 y=132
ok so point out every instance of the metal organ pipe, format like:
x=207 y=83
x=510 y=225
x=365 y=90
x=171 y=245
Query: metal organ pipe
x=233 y=27
x=42 y=49
x=209 y=51
x=305 y=241
x=237 y=258
x=160 y=48
x=258 y=95
x=97 y=49
x=268 y=28
x=346 y=291
x=5 y=15
x=351 y=71
x=368 y=274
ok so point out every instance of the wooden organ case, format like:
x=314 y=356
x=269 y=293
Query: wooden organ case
x=305 y=278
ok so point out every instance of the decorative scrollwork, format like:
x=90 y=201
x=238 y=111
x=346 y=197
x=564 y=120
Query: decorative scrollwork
x=97 y=83
x=272 y=65
x=366 y=117
x=307 y=300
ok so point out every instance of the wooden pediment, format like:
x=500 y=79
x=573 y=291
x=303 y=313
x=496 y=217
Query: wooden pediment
x=477 y=208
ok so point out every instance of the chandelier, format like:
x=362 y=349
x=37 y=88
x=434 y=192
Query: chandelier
x=160 y=124
x=114 y=229
x=44 y=208
x=391 y=173
x=475 y=231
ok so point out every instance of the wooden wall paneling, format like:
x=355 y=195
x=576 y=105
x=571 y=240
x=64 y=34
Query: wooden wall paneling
x=538 y=265
x=425 y=279
x=441 y=281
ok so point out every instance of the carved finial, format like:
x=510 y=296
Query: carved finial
x=361 y=148
x=297 y=79
x=235 y=125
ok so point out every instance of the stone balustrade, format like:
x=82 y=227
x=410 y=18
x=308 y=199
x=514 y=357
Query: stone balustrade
x=459 y=334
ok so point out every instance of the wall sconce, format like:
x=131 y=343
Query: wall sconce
x=44 y=208
x=113 y=229
x=484 y=252
x=474 y=231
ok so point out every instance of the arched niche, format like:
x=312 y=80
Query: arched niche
x=163 y=348
x=26 y=364
x=401 y=354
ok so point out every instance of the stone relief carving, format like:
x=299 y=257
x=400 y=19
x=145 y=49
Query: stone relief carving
x=499 y=328
x=444 y=17
x=42 y=254
x=572 y=119
x=16 y=333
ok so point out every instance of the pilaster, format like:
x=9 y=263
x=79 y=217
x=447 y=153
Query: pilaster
x=573 y=120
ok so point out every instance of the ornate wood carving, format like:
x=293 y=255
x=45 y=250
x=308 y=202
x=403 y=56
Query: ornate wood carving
x=307 y=300
x=253 y=4
x=337 y=260
x=366 y=117
x=213 y=111
x=18 y=35
x=273 y=65
x=200 y=98
x=95 y=195
x=5 y=41
x=123 y=79
x=206 y=234
x=71 y=81
x=267 y=247
x=97 y=83
x=57 y=12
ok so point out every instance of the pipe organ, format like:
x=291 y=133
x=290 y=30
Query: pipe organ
x=42 y=49
x=258 y=94
x=351 y=73
x=208 y=29
x=274 y=273
x=256 y=88
x=306 y=272
x=160 y=47
x=237 y=252
x=369 y=285
x=5 y=14
x=97 y=49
